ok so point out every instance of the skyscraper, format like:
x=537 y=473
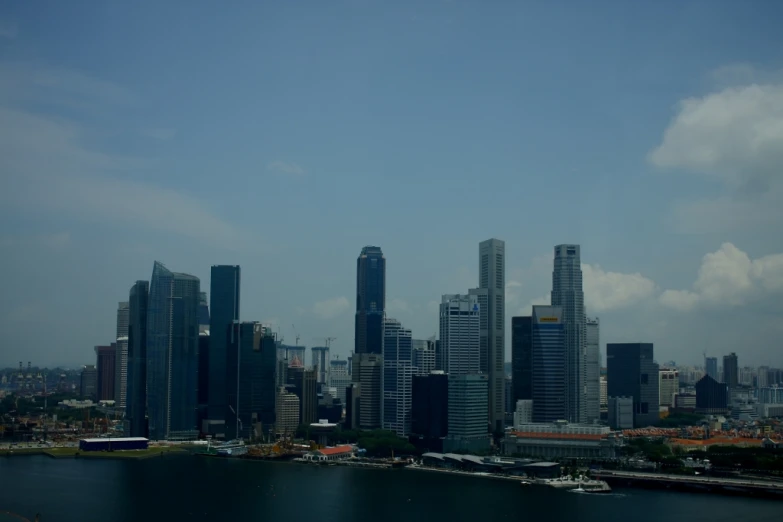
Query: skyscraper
x=460 y=333
x=368 y=372
x=492 y=277
x=121 y=357
x=88 y=382
x=549 y=381
x=521 y=358
x=339 y=377
x=423 y=356
x=592 y=371
x=430 y=409
x=224 y=311
x=632 y=372
x=106 y=364
x=172 y=354
x=711 y=367
x=321 y=363
x=370 y=300
x=567 y=294
x=467 y=414
x=251 y=389
x=136 y=395
x=397 y=377
x=731 y=370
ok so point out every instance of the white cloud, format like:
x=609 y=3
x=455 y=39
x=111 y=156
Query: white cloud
x=331 y=308
x=287 y=168
x=611 y=290
x=728 y=277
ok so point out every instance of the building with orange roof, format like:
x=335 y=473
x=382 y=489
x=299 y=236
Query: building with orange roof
x=562 y=440
x=328 y=454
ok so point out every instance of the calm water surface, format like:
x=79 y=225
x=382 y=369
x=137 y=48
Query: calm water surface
x=207 y=489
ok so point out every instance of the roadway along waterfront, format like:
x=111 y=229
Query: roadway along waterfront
x=716 y=484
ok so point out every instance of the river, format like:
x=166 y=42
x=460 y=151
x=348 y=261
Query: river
x=176 y=488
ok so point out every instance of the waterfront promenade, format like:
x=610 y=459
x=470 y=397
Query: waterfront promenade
x=742 y=485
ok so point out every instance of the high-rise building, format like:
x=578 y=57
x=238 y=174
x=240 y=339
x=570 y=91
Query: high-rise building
x=398 y=374
x=712 y=397
x=121 y=357
x=730 y=370
x=370 y=300
x=203 y=381
x=321 y=363
x=620 y=413
x=339 y=379
x=711 y=367
x=136 y=395
x=310 y=397
x=88 y=382
x=430 y=409
x=523 y=412
x=632 y=372
x=224 y=290
x=106 y=364
x=251 y=389
x=592 y=372
x=482 y=297
x=549 y=364
x=423 y=356
x=286 y=413
x=459 y=333
x=172 y=354
x=567 y=293
x=668 y=386
x=467 y=417
x=762 y=377
x=203 y=312
x=368 y=372
x=604 y=393
x=522 y=358
x=492 y=277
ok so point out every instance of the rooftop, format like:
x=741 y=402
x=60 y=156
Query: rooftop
x=120 y=439
x=337 y=450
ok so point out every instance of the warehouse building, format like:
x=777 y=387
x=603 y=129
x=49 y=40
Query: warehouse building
x=114 y=444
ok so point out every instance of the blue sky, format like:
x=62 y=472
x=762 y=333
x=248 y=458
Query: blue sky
x=284 y=136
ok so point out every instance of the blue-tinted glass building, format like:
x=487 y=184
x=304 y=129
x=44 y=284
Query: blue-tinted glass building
x=397 y=377
x=224 y=311
x=250 y=382
x=521 y=359
x=136 y=395
x=549 y=359
x=430 y=410
x=631 y=371
x=172 y=354
x=370 y=300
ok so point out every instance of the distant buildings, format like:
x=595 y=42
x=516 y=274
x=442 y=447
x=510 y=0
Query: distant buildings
x=286 y=413
x=106 y=357
x=459 y=333
x=339 y=378
x=632 y=372
x=712 y=397
x=550 y=376
x=568 y=295
x=88 y=382
x=522 y=358
x=467 y=417
x=136 y=394
x=172 y=354
x=711 y=367
x=321 y=363
x=397 y=377
x=492 y=278
x=668 y=386
x=730 y=370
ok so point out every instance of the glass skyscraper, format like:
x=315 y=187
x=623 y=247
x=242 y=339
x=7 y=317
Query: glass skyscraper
x=397 y=377
x=592 y=372
x=567 y=293
x=492 y=278
x=549 y=348
x=521 y=359
x=224 y=311
x=136 y=394
x=370 y=300
x=632 y=372
x=172 y=354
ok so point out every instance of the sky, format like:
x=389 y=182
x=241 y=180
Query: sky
x=285 y=136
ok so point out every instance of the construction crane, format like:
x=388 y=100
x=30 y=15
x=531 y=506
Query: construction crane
x=327 y=341
x=296 y=335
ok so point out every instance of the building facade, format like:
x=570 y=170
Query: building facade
x=620 y=413
x=321 y=363
x=668 y=386
x=424 y=356
x=562 y=440
x=550 y=379
x=136 y=394
x=523 y=413
x=731 y=370
x=568 y=295
x=88 y=382
x=467 y=417
x=121 y=356
x=460 y=334
x=339 y=378
x=172 y=355
x=398 y=374
x=492 y=278
x=430 y=408
x=522 y=358
x=368 y=368
x=224 y=290
x=632 y=372
x=711 y=367
x=592 y=371
x=370 y=300
x=712 y=397
x=286 y=413
x=107 y=364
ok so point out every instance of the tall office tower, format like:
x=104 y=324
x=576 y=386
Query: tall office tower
x=730 y=370
x=460 y=334
x=321 y=363
x=339 y=378
x=423 y=356
x=592 y=371
x=172 y=355
x=368 y=373
x=203 y=379
x=668 y=386
x=121 y=358
x=203 y=312
x=632 y=372
x=370 y=300
x=106 y=364
x=438 y=355
x=88 y=382
x=467 y=417
x=397 y=381
x=136 y=395
x=492 y=277
x=482 y=297
x=286 y=413
x=251 y=389
x=567 y=294
x=224 y=289
x=309 y=397
x=604 y=394
x=711 y=367
x=521 y=359
x=430 y=409
x=550 y=380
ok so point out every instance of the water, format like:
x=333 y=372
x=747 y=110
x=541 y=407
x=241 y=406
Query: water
x=179 y=488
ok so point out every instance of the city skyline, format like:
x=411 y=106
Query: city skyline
x=650 y=149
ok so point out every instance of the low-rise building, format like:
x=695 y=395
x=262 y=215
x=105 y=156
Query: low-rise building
x=562 y=440
x=328 y=454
